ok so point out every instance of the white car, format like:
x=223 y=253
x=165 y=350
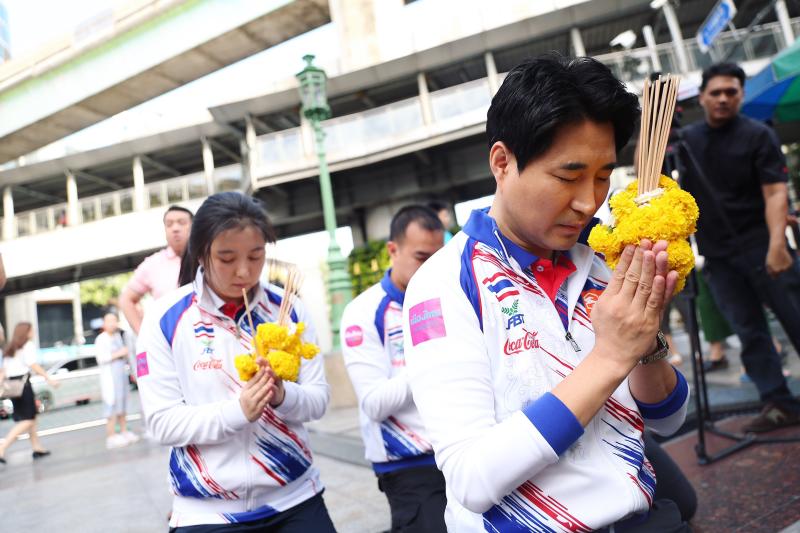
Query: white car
x=79 y=379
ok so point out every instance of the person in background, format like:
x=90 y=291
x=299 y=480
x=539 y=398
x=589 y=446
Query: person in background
x=394 y=436
x=2 y=273
x=19 y=359
x=112 y=356
x=158 y=273
x=735 y=169
x=240 y=458
x=445 y=215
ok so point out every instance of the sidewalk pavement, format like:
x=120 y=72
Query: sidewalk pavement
x=83 y=487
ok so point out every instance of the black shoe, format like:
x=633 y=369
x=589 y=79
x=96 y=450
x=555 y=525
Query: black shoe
x=710 y=365
x=38 y=455
x=772 y=417
x=2 y=460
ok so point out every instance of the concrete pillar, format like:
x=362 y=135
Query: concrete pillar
x=73 y=210
x=783 y=19
x=250 y=145
x=677 y=37
x=424 y=99
x=650 y=40
x=577 y=42
x=138 y=185
x=8 y=215
x=208 y=165
x=491 y=72
x=77 y=312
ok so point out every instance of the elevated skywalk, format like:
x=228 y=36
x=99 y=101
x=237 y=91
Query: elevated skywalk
x=142 y=50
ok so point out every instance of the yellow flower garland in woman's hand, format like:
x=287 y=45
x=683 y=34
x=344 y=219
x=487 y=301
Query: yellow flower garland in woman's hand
x=283 y=350
x=670 y=216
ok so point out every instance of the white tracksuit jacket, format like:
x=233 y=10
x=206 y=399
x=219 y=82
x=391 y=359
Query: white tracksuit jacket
x=223 y=468
x=372 y=333
x=484 y=347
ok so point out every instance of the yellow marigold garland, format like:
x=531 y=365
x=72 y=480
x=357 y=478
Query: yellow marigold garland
x=283 y=350
x=670 y=216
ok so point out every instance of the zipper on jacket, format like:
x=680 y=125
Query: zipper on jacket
x=573 y=342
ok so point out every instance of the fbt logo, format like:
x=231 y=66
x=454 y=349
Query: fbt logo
x=526 y=342
x=516 y=320
x=211 y=364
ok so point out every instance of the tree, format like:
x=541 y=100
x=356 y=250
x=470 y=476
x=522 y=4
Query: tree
x=103 y=292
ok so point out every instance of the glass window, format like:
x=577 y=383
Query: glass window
x=154 y=194
x=87 y=210
x=69 y=366
x=228 y=179
x=87 y=362
x=197 y=186
x=42 y=221
x=23 y=224
x=107 y=207
x=175 y=192
x=125 y=201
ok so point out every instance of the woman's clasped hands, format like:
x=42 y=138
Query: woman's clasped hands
x=264 y=388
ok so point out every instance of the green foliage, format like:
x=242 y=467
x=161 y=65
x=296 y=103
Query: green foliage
x=103 y=292
x=367 y=265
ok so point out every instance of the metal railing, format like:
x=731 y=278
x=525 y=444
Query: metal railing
x=764 y=41
x=377 y=129
x=102 y=206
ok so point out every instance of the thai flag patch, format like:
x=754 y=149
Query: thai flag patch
x=501 y=286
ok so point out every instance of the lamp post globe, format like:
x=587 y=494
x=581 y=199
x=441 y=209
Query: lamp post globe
x=313 y=97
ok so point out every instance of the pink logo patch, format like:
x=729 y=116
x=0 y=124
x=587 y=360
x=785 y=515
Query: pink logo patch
x=426 y=321
x=353 y=336
x=141 y=365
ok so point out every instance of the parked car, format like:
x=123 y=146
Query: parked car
x=79 y=379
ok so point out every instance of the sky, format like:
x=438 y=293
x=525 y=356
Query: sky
x=29 y=29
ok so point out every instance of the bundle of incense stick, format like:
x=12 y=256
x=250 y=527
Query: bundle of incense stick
x=659 y=98
x=291 y=288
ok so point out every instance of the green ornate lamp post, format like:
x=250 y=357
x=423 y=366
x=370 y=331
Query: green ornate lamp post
x=315 y=108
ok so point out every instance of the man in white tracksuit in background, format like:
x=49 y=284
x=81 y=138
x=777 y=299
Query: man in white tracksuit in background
x=394 y=436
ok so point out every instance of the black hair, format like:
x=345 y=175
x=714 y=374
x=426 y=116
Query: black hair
x=543 y=94
x=424 y=216
x=180 y=209
x=221 y=212
x=722 y=69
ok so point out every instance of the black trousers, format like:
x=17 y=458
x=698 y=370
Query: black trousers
x=311 y=515
x=741 y=287
x=671 y=484
x=416 y=498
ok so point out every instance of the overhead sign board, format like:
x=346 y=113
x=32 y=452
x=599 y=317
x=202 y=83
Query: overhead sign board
x=720 y=16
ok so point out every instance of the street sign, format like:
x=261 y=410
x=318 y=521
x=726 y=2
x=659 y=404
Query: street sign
x=720 y=16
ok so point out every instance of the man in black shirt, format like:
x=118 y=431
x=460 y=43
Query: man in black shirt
x=736 y=171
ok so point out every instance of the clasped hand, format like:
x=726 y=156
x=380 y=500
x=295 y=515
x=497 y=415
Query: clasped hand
x=627 y=315
x=264 y=388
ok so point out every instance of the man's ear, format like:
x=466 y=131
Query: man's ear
x=391 y=247
x=501 y=161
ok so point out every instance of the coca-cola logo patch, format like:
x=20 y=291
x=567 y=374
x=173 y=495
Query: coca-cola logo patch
x=526 y=342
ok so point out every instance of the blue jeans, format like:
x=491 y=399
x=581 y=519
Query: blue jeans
x=741 y=286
